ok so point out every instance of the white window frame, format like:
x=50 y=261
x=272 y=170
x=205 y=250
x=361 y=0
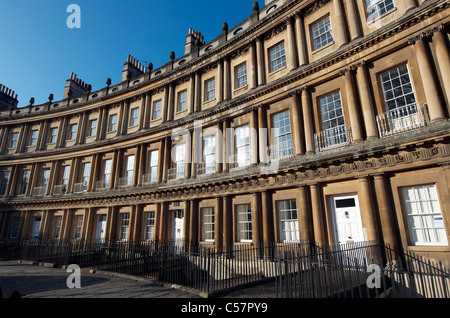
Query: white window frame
x=244 y=222
x=322 y=33
x=129 y=169
x=157 y=109
x=375 y=9
x=153 y=165
x=134 y=117
x=78 y=227
x=57 y=226
x=242 y=146
x=240 y=72
x=424 y=213
x=393 y=99
x=149 y=225
x=25 y=179
x=92 y=128
x=65 y=175
x=124 y=226
x=112 y=123
x=33 y=138
x=210 y=89
x=86 y=173
x=107 y=167
x=282 y=134
x=53 y=135
x=180 y=160
x=182 y=101
x=72 y=132
x=288 y=221
x=277 y=57
x=208 y=224
x=209 y=153
x=14 y=140
x=15 y=223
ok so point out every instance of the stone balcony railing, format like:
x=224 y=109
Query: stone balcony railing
x=333 y=138
x=402 y=119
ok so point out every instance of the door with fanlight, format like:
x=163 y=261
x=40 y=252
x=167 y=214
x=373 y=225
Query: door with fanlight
x=177 y=229
x=101 y=227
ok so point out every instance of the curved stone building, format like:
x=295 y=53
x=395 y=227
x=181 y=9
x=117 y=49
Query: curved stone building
x=318 y=120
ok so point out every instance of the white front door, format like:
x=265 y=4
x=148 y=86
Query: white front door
x=347 y=219
x=177 y=228
x=35 y=228
x=101 y=227
x=177 y=224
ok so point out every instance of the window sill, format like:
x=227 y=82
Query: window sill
x=209 y=101
x=242 y=88
x=277 y=71
x=181 y=111
x=323 y=48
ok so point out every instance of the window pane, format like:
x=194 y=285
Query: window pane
x=322 y=34
x=424 y=215
x=277 y=57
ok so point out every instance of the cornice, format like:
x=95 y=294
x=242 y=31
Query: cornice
x=349 y=167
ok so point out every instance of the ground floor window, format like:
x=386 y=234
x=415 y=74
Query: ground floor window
x=208 y=224
x=57 y=227
x=288 y=219
x=149 y=225
x=124 y=226
x=78 y=226
x=244 y=214
x=15 y=227
x=424 y=216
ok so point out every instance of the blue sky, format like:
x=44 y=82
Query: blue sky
x=38 y=51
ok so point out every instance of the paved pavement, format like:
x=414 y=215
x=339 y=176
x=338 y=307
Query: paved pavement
x=34 y=281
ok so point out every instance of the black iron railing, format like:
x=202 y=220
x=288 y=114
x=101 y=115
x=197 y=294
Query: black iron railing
x=296 y=269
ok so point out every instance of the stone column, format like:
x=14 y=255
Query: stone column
x=193 y=230
x=386 y=214
x=443 y=58
x=317 y=214
x=218 y=218
x=260 y=61
x=147 y=110
x=226 y=145
x=307 y=120
x=171 y=102
x=191 y=93
x=263 y=134
x=186 y=222
x=165 y=105
x=256 y=218
x=188 y=154
x=291 y=53
x=253 y=79
x=196 y=149
x=220 y=78
x=304 y=215
x=355 y=121
x=367 y=105
x=226 y=79
x=253 y=137
x=158 y=220
x=353 y=20
x=227 y=217
x=167 y=158
x=430 y=87
x=339 y=32
x=367 y=210
x=161 y=155
x=219 y=145
x=267 y=219
x=301 y=40
x=296 y=124
x=198 y=91
x=142 y=108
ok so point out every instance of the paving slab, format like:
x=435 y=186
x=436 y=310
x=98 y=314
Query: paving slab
x=37 y=281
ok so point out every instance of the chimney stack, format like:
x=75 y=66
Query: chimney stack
x=8 y=98
x=132 y=69
x=191 y=40
x=76 y=86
